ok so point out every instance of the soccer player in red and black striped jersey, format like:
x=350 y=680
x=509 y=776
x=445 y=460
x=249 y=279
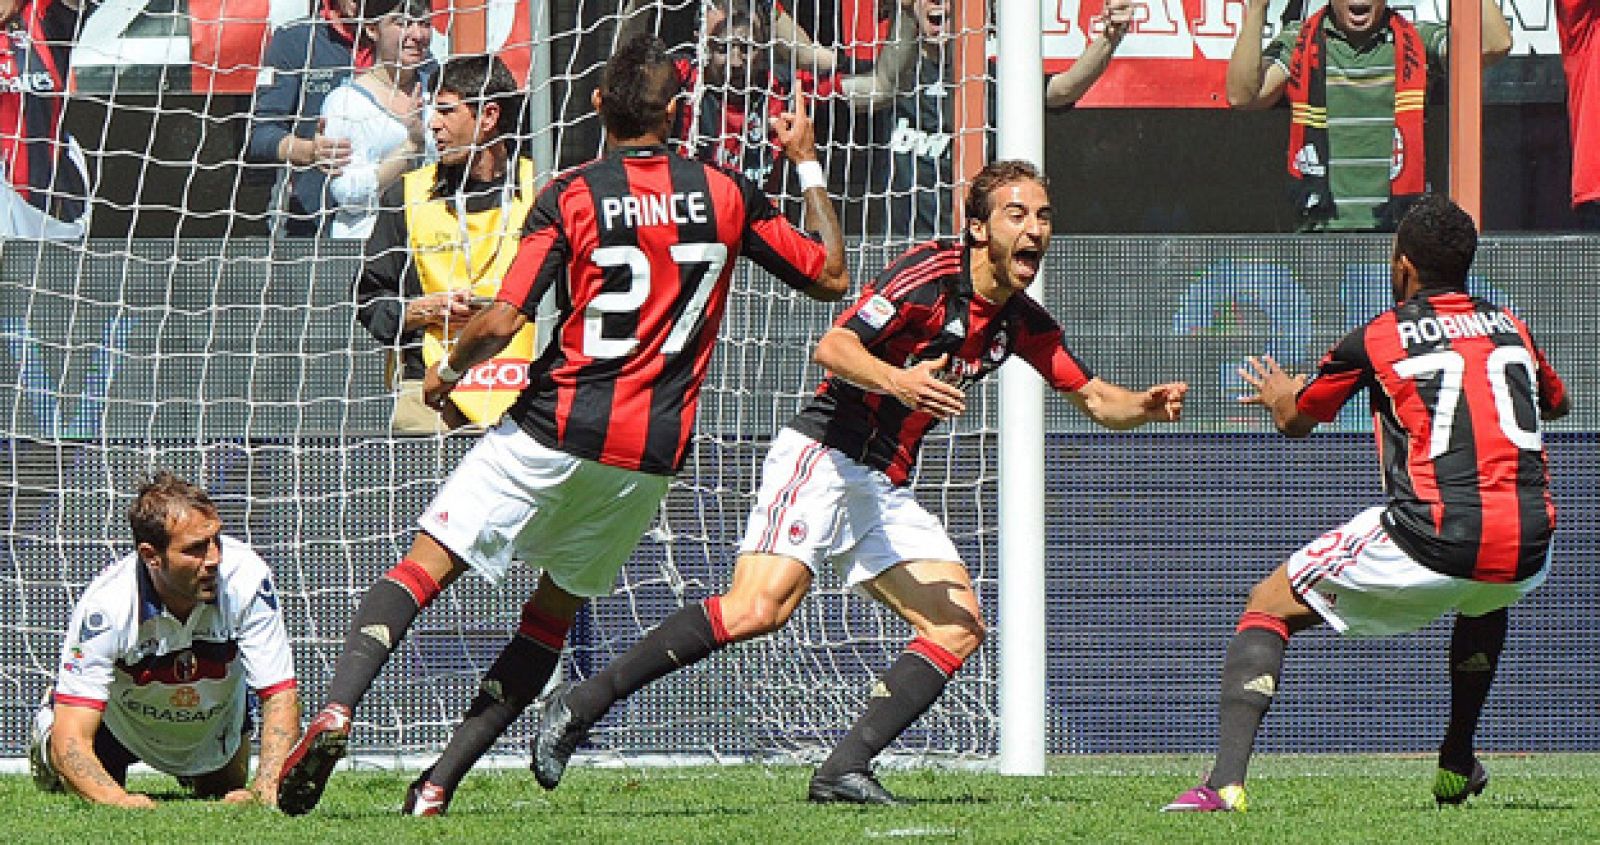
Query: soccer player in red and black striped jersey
x=835 y=485
x=638 y=247
x=1458 y=389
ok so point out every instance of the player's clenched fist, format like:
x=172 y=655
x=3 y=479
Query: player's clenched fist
x=1164 y=402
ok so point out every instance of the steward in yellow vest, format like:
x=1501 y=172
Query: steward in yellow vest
x=444 y=238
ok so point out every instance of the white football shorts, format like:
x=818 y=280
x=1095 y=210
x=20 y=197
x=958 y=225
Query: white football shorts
x=816 y=505
x=511 y=497
x=1364 y=585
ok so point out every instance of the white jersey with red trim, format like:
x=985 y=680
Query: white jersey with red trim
x=172 y=691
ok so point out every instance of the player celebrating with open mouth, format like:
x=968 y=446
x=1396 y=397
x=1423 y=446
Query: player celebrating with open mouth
x=835 y=487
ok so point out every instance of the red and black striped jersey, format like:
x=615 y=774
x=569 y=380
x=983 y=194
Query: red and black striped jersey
x=35 y=56
x=923 y=306
x=1457 y=386
x=639 y=246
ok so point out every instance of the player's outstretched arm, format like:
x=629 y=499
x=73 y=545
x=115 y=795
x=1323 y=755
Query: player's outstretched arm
x=1070 y=85
x=1277 y=391
x=280 y=729
x=917 y=387
x=483 y=338
x=1118 y=408
x=797 y=134
x=72 y=755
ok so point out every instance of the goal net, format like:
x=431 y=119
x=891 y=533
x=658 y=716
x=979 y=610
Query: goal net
x=191 y=330
x=195 y=329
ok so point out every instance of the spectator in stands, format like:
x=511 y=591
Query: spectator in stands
x=736 y=93
x=1579 y=22
x=1357 y=86
x=444 y=236
x=791 y=44
x=380 y=112
x=158 y=654
x=44 y=189
x=915 y=136
x=304 y=62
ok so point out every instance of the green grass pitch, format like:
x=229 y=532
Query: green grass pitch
x=1313 y=799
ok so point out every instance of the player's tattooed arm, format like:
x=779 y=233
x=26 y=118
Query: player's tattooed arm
x=72 y=754
x=280 y=728
x=797 y=134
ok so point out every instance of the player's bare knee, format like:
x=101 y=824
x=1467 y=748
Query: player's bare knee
x=753 y=617
x=961 y=638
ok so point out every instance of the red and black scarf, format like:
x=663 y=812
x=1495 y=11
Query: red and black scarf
x=1308 y=124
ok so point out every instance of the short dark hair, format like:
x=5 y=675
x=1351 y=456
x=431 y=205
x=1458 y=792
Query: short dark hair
x=1440 y=239
x=747 y=16
x=372 y=10
x=635 y=87
x=162 y=498
x=483 y=79
x=994 y=175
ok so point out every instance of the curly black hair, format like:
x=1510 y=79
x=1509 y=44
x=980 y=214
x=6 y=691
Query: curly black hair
x=1440 y=239
x=636 y=86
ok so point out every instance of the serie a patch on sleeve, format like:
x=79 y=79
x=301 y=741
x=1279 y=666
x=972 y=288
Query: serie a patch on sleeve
x=876 y=312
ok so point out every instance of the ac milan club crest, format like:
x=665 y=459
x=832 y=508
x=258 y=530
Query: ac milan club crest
x=798 y=531
x=997 y=348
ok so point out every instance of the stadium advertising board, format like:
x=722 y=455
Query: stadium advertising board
x=1176 y=53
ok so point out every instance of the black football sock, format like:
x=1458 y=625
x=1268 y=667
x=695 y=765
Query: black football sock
x=1249 y=680
x=897 y=699
x=381 y=622
x=1475 y=647
x=686 y=637
x=510 y=685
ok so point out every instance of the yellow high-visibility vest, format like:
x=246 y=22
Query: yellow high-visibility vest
x=453 y=250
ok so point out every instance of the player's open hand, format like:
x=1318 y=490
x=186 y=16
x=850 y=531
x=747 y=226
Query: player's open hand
x=1164 y=402
x=1272 y=384
x=920 y=388
x=796 y=133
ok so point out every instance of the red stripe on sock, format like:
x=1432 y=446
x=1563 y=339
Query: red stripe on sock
x=942 y=658
x=416 y=580
x=1264 y=621
x=543 y=628
x=714 y=613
